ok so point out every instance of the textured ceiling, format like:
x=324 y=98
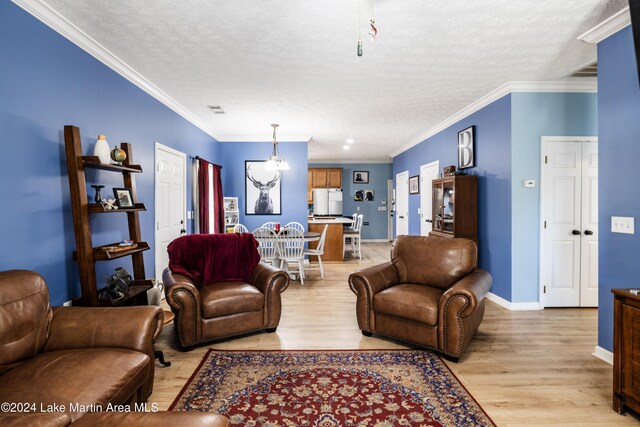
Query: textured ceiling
x=294 y=62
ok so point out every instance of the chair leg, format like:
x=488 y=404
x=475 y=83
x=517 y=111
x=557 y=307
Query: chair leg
x=301 y=271
x=359 y=248
x=321 y=269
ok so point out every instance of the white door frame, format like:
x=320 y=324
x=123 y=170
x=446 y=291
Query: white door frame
x=160 y=147
x=423 y=191
x=397 y=215
x=390 y=207
x=543 y=206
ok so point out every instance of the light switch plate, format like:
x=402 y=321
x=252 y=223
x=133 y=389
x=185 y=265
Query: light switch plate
x=382 y=208
x=623 y=224
x=529 y=183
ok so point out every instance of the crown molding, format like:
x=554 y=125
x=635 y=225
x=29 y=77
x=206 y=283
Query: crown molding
x=607 y=27
x=349 y=162
x=44 y=13
x=568 y=85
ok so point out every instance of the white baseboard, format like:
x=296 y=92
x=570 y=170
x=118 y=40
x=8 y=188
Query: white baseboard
x=513 y=306
x=603 y=354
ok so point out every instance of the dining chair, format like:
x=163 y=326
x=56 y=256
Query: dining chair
x=290 y=245
x=295 y=225
x=270 y=224
x=317 y=251
x=267 y=245
x=239 y=228
x=352 y=226
x=354 y=237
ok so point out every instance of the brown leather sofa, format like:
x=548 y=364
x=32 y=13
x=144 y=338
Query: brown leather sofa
x=224 y=309
x=430 y=295
x=69 y=356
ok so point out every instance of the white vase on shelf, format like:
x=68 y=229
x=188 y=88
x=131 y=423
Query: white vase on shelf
x=102 y=150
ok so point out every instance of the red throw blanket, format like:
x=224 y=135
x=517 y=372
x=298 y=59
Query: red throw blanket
x=211 y=258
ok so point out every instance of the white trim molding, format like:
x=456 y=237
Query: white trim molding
x=567 y=85
x=514 y=306
x=603 y=354
x=607 y=28
x=43 y=12
x=349 y=162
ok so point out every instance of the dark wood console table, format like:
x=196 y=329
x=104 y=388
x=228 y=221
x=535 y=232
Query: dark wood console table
x=626 y=351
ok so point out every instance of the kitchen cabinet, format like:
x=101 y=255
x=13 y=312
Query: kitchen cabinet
x=325 y=178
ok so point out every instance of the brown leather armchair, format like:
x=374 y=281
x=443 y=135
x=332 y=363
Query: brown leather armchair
x=221 y=309
x=431 y=294
x=70 y=355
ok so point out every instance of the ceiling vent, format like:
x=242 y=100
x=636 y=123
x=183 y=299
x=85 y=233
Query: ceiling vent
x=215 y=109
x=590 y=70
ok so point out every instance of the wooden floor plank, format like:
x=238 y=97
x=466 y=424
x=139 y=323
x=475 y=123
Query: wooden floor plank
x=526 y=368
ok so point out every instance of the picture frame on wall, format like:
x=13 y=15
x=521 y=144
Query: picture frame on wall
x=466 y=148
x=262 y=189
x=414 y=184
x=360 y=177
x=368 y=195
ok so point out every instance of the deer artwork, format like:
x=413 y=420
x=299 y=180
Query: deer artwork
x=264 y=204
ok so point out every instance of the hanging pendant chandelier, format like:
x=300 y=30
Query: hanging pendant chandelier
x=276 y=162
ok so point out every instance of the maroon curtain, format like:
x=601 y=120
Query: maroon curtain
x=203 y=196
x=218 y=203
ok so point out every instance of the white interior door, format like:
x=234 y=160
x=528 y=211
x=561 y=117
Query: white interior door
x=170 y=206
x=428 y=173
x=569 y=247
x=402 y=203
x=589 y=238
x=390 y=207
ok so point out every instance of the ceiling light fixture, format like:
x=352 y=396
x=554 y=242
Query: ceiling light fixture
x=346 y=147
x=276 y=162
x=349 y=141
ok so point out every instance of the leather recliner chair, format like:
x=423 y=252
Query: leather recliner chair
x=219 y=309
x=69 y=356
x=431 y=294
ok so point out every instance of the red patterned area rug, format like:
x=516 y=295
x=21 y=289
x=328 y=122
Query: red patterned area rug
x=330 y=389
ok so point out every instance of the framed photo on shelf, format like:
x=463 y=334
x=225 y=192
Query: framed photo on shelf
x=262 y=189
x=414 y=184
x=466 y=140
x=124 y=198
x=360 y=177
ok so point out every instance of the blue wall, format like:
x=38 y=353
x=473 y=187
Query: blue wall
x=619 y=193
x=379 y=174
x=47 y=82
x=294 y=181
x=493 y=168
x=535 y=115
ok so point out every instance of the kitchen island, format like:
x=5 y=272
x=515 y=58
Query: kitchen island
x=333 y=241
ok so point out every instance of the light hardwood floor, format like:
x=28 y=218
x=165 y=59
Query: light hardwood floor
x=524 y=368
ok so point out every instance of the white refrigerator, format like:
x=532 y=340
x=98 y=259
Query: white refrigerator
x=327 y=201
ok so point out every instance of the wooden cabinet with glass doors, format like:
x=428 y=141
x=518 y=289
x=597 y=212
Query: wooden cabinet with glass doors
x=455 y=207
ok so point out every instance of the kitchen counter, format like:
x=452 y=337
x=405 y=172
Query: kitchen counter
x=334 y=239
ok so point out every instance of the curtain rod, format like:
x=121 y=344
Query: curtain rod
x=200 y=158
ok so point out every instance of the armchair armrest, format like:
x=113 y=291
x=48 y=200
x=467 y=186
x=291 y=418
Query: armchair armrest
x=271 y=282
x=461 y=309
x=365 y=284
x=133 y=328
x=184 y=299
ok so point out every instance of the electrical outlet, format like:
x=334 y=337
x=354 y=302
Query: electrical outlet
x=622 y=224
x=358 y=208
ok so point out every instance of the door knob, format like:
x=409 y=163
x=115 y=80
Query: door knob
x=588 y=232
x=576 y=232
x=183 y=231
x=427 y=220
